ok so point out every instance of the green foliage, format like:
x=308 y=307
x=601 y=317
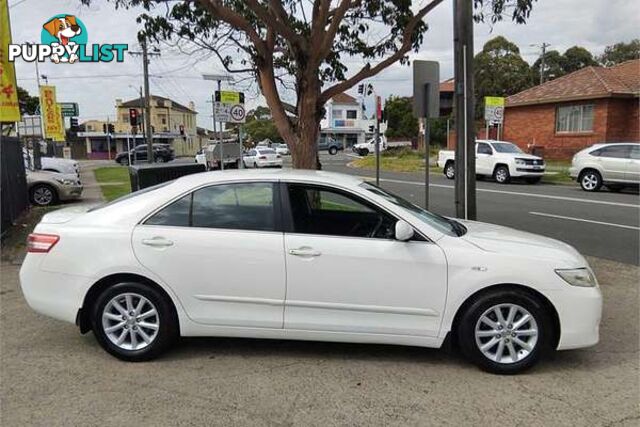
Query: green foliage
x=260 y=126
x=576 y=58
x=553 y=66
x=499 y=71
x=400 y=120
x=620 y=52
x=28 y=104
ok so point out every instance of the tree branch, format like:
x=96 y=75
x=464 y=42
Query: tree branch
x=367 y=70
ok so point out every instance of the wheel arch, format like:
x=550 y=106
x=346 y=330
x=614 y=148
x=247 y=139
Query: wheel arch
x=549 y=307
x=497 y=165
x=83 y=320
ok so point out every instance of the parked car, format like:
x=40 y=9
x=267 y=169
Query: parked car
x=52 y=164
x=201 y=157
x=260 y=157
x=498 y=159
x=282 y=149
x=615 y=165
x=306 y=255
x=229 y=152
x=139 y=154
x=48 y=188
x=365 y=148
x=329 y=144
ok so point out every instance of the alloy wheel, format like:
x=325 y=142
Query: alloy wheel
x=501 y=175
x=43 y=196
x=450 y=172
x=590 y=181
x=506 y=333
x=130 y=321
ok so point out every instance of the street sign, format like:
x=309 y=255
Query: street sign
x=426 y=102
x=70 y=109
x=229 y=107
x=494 y=109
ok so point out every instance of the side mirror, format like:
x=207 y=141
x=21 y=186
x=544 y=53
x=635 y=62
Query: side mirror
x=404 y=231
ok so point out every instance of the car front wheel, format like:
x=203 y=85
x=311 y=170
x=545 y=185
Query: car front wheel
x=501 y=175
x=333 y=151
x=590 y=180
x=43 y=195
x=133 y=322
x=505 y=332
x=450 y=170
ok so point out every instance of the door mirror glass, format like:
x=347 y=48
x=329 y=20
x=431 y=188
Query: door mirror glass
x=404 y=231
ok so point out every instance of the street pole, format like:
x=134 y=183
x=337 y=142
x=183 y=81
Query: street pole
x=427 y=131
x=147 y=102
x=220 y=130
x=377 y=143
x=213 y=109
x=108 y=140
x=465 y=182
x=543 y=60
x=241 y=165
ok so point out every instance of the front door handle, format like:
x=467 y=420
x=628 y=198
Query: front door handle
x=157 y=242
x=304 y=251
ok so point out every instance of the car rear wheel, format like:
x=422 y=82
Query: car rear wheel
x=333 y=151
x=160 y=159
x=505 y=331
x=450 y=170
x=590 y=180
x=501 y=175
x=133 y=322
x=43 y=195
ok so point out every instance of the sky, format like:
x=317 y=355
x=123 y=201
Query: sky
x=593 y=24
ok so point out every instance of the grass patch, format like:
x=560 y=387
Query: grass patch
x=114 y=182
x=398 y=160
x=561 y=175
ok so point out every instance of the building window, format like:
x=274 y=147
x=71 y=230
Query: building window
x=164 y=120
x=352 y=114
x=574 y=118
x=125 y=117
x=336 y=114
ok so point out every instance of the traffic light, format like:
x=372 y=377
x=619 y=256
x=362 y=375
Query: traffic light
x=112 y=128
x=361 y=89
x=104 y=128
x=133 y=117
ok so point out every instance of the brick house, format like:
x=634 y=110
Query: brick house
x=563 y=116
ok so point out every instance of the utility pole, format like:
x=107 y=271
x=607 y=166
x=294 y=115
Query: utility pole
x=465 y=158
x=147 y=97
x=543 y=59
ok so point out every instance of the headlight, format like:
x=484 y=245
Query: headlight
x=520 y=162
x=582 y=277
x=66 y=181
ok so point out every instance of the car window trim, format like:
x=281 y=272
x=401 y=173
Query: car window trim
x=288 y=226
x=277 y=206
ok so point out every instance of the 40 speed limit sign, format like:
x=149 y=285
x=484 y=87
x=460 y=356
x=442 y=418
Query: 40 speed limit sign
x=229 y=106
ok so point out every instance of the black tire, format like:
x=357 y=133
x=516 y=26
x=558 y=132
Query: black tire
x=160 y=159
x=333 y=150
x=590 y=180
x=467 y=325
x=449 y=170
x=123 y=161
x=533 y=180
x=501 y=175
x=167 y=331
x=43 y=195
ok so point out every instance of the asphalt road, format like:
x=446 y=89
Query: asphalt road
x=603 y=224
x=50 y=375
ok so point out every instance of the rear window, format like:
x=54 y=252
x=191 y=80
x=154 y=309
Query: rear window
x=267 y=151
x=131 y=195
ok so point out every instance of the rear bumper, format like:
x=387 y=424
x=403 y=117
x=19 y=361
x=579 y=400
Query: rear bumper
x=53 y=294
x=269 y=163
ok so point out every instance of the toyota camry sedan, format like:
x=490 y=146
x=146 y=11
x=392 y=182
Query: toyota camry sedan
x=306 y=255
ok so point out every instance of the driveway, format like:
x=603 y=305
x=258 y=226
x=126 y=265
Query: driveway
x=51 y=375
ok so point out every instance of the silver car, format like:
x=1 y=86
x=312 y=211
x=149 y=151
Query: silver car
x=614 y=165
x=48 y=188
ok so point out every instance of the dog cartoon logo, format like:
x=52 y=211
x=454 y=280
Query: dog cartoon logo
x=66 y=31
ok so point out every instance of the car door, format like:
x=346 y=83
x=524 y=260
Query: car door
x=140 y=153
x=347 y=273
x=484 y=154
x=614 y=160
x=250 y=158
x=632 y=173
x=220 y=250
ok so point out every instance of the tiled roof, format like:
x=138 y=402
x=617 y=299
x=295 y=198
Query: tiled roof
x=447 y=85
x=588 y=83
x=139 y=103
x=343 y=98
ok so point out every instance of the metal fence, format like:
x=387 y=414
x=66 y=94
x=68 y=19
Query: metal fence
x=13 y=189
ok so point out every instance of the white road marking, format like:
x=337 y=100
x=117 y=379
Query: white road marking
x=518 y=193
x=631 y=227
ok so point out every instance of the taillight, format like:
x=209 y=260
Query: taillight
x=41 y=243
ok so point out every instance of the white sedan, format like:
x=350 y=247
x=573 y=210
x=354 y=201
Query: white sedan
x=262 y=157
x=306 y=255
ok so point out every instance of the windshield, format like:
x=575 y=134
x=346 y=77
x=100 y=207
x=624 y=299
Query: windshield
x=440 y=223
x=506 y=147
x=268 y=151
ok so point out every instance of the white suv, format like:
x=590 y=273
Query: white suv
x=614 y=165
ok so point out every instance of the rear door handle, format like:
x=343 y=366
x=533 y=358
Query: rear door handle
x=304 y=252
x=157 y=242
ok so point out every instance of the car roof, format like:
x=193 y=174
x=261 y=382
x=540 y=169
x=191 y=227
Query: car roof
x=493 y=141
x=319 y=177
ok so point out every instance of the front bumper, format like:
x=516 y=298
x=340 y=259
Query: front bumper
x=528 y=171
x=579 y=311
x=70 y=192
x=573 y=172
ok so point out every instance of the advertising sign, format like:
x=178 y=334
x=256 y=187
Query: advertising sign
x=494 y=109
x=229 y=107
x=9 y=107
x=70 y=109
x=53 y=127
